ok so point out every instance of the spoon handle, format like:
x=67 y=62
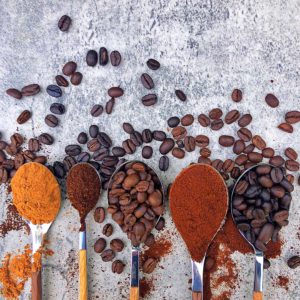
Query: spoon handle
x=134 y=281
x=83 y=290
x=257 y=296
x=36 y=285
x=197 y=279
x=196 y=296
x=258 y=277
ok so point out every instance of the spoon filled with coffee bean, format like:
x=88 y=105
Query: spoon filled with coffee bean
x=136 y=202
x=198 y=204
x=260 y=203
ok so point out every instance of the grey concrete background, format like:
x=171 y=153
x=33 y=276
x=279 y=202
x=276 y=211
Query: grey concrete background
x=207 y=48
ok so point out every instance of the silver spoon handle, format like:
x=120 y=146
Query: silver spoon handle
x=134 y=280
x=197 y=279
x=259 y=271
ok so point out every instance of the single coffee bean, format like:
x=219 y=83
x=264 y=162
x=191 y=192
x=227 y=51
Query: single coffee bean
x=217 y=164
x=277 y=191
x=205 y=152
x=268 y=152
x=108 y=230
x=147 y=152
x=61 y=81
x=292 y=117
x=93 y=131
x=115 y=58
x=187 y=120
x=204 y=120
x=262 y=170
x=69 y=68
x=129 y=146
x=267 y=264
x=149 y=265
x=294 y=262
x=160 y=224
x=164 y=163
x=204 y=160
x=104 y=140
x=265 y=181
x=103 y=56
x=159 y=135
x=149 y=100
x=59 y=170
x=178 y=153
x=292 y=165
x=202 y=140
x=136 y=138
x=51 y=120
x=100 y=154
x=153 y=64
x=244 y=134
x=150 y=240
x=255 y=157
x=180 y=95
x=166 y=146
x=128 y=128
x=215 y=113
x=24 y=117
x=276 y=161
x=287 y=185
x=290 y=178
x=46 y=138
x=235 y=173
x=189 y=143
x=17 y=139
x=226 y=140
x=64 y=23
x=91 y=58
x=277 y=175
x=82 y=138
x=258 y=142
x=249 y=148
x=179 y=133
x=100 y=245
x=147 y=81
x=99 y=215
x=232 y=116
x=54 y=91
x=69 y=162
x=117 y=266
x=291 y=153
x=83 y=157
x=41 y=159
x=228 y=165
x=30 y=90
x=245 y=120
x=238 y=147
x=34 y=145
x=118 y=151
x=216 y=124
x=272 y=100
x=286 y=127
x=97 y=110
x=115 y=92
x=73 y=150
x=76 y=78
x=236 y=95
x=173 y=122
x=14 y=93
x=107 y=255
x=109 y=106
x=117 y=245
x=241 y=187
x=57 y=108
x=147 y=136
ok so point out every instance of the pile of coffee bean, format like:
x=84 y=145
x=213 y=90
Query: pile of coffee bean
x=261 y=203
x=135 y=199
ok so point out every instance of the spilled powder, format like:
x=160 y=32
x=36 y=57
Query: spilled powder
x=146 y=286
x=283 y=282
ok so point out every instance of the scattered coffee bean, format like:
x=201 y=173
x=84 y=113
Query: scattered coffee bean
x=109 y=106
x=276 y=161
x=118 y=151
x=179 y=133
x=115 y=92
x=83 y=157
x=202 y=140
x=100 y=245
x=51 y=120
x=115 y=58
x=189 y=143
x=187 y=120
x=232 y=116
x=226 y=140
x=24 y=117
x=160 y=225
x=57 y=108
x=153 y=64
x=159 y=135
x=286 y=127
x=149 y=100
x=93 y=131
x=258 y=142
x=99 y=215
x=244 y=134
x=46 y=138
x=116 y=245
x=61 y=81
x=166 y=146
x=14 y=93
x=216 y=124
x=268 y=152
x=104 y=140
x=73 y=150
x=255 y=157
x=91 y=58
x=64 y=23
x=54 y=91
x=136 y=138
x=236 y=95
x=147 y=136
x=238 y=147
x=128 y=128
x=129 y=146
x=149 y=265
x=76 y=78
x=164 y=163
x=30 y=90
x=294 y=262
x=97 y=110
x=272 y=100
x=34 y=145
x=147 y=152
x=173 y=122
x=147 y=81
x=180 y=95
x=205 y=152
x=291 y=153
x=178 y=153
x=245 y=120
x=204 y=120
x=292 y=165
x=107 y=255
x=108 y=230
x=150 y=240
x=292 y=117
x=117 y=266
x=69 y=68
x=103 y=56
x=215 y=113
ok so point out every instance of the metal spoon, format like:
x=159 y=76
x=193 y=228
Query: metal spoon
x=135 y=251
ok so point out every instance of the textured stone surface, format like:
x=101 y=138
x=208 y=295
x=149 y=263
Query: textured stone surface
x=206 y=48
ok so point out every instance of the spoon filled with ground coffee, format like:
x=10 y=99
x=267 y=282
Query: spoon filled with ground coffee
x=83 y=188
x=136 y=202
x=198 y=204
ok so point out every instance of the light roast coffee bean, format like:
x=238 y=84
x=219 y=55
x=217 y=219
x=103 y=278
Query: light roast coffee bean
x=286 y=127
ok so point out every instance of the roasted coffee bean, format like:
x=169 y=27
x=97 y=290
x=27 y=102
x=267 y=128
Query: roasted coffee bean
x=159 y=135
x=281 y=215
x=100 y=245
x=46 y=138
x=100 y=154
x=166 y=146
x=204 y=160
x=34 y=145
x=268 y=152
x=272 y=100
x=11 y=149
x=57 y=108
x=61 y=81
x=217 y=164
x=93 y=131
x=216 y=124
x=19 y=160
x=290 y=178
x=178 y=153
x=147 y=136
x=204 y=120
x=110 y=161
x=255 y=157
x=109 y=106
x=59 y=170
x=118 y=151
x=187 y=120
x=265 y=233
x=164 y=163
x=69 y=68
x=99 y=215
x=228 y=165
x=205 y=152
x=76 y=78
x=241 y=187
x=107 y=255
x=276 y=161
x=8 y=164
x=277 y=191
x=149 y=265
x=292 y=117
x=277 y=175
x=3 y=175
x=160 y=224
x=180 y=95
x=150 y=240
x=226 y=140
x=115 y=92
x=202 y=140
x=64 y=23
x=263 y=170
x=69 y=162
x=136 y=138
x=173 y=122
x=117 y=266
x=232 y=116
x=265 y=181
x=235 y=173
x=189 y=143
x=179 y=133
x=153 y=64
x=24 y=117
x=17 y=139
x=245 y=120
x=291 y=153
x=147 y=81
x=30 y=90
x=51 y=120
x=286 y=127
x=2 y=156
x=215 y=113
x=83 y=157
x=258 y=142
x=108 y=230
x=147 y=152
x=115 y=58
x=128 y=128
x=54 y=91
x=244 y=134
x=292 y=165
x=236 y=95
x=73 y=150
x=103 y=56
x=294 y=262
x=97 y=110
x=129 y=146
x=14 y=93
x=238 y=147
x=149 y=99
x=91 y=58
x=117 y=245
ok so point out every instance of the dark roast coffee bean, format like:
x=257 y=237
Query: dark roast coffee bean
x=136 y=138
x=24 y=117
x=34 y=145
x=61 y=81
x=110 y=161
x=153 y=64
x=147 y=136
x=294 y=262
x=115 y=58
x=59 y=170
x=180 y=95
x=91 y=58
x=226 y=140
x=255 y=157
x=54 y=91
x=173 y=122
x=187 y=120
x=69 y=162
x=118 y=151
x=46 y=138
x=204 y=160
x=57 y=108
x=83 y=157
x=245 y=120
x=228 y=165
x=76 y=78
x=164 y=163
x=204 y=120
x=100 y=245
x=73 y=150
x=238 y=147
x=149 y=100
x=30 y=90
x=236 y=95
x=109 y=106
x=287 y=185
x=232 y=116
x=115 y=92
x=292 y=165
x=217 y=164
x=159 y=135
x=82 y=138
x=14 y=93
x=202 y=140
x=248 y=149
x=276 y=161
x=268 y=152
x=104 y=140
x=64 y=23
x=277 y=191
x=286 y=127
x=99 y=215
x=129 y=146
x=2 y=145
x=103 y=56
x=17 y=139
x=291 y=153
x=117 y=245
x=244 y=134
x=69 y=68
x=276 y=175
x=189 y=143
x=117 y=266
x=166 y=146
x=100 y=154
x=51 y=120
x=107 y=255
x=97 y=110
x=215 y=114
x=216 y=124
x=128 y=128
x=272 y=100
x=178 y=153
x=93 y=131
x=147 y=81
x=292 y=117
x=160 y=224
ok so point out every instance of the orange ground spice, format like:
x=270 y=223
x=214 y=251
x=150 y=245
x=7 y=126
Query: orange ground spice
x=159 y=249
